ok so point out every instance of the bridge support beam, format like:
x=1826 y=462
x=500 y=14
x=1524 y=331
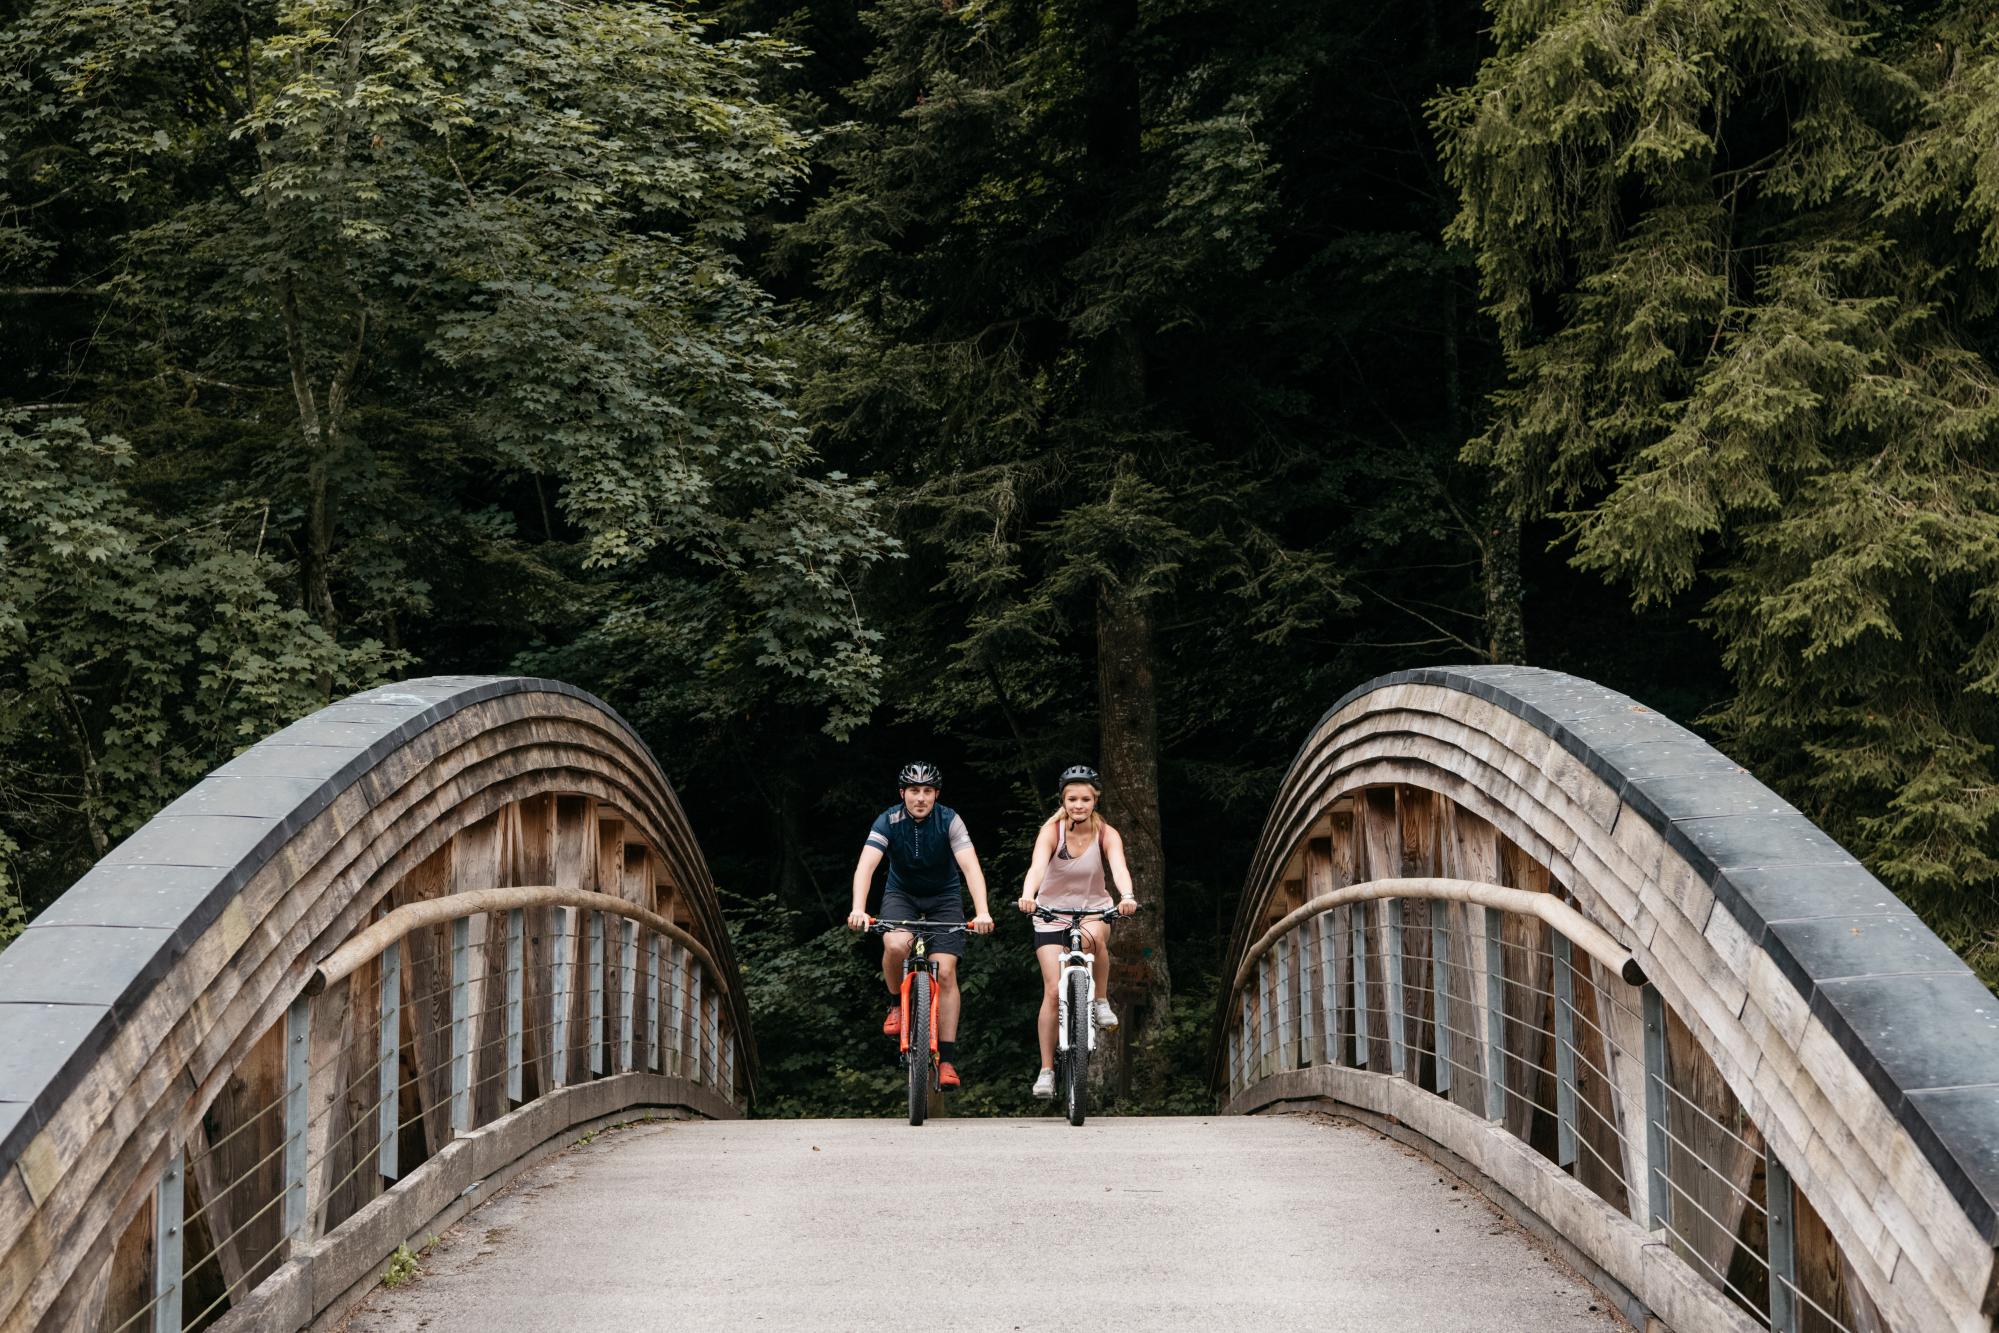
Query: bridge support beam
x=1495 y=1018
x=1565 y=1050
x=1360 y=1023
x=1440 y=984
x=1783 y=1245
x=516 y=968
x=1391 y=955
x=1657 y=1199
x=169 y=1200
x=562 y=993
x=388 y=1058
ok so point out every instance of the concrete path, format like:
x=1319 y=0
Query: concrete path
x=1196 y=1223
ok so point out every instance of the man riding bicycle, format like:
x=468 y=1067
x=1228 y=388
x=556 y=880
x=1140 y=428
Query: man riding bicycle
x=930 y=863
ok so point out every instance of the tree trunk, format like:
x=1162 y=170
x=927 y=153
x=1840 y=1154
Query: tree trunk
x=1128 y=719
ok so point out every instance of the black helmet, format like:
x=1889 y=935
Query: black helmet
x=919 y=774
x=1079 y=773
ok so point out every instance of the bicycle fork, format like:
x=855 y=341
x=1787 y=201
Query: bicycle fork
x=908 y=980
x=1073 y=962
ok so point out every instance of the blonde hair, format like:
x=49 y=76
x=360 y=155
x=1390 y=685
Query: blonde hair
x=1096 y=819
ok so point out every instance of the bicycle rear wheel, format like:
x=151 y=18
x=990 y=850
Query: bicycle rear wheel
x=919 y=1046
x=1076 y=1074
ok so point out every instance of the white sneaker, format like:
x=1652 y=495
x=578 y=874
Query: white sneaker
x=1101 y=1012
x=1044 y=1083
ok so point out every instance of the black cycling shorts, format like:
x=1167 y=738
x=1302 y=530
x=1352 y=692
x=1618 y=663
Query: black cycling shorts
x=946 y=909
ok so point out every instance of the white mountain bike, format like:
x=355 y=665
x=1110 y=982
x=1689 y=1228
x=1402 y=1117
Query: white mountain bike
x=1075 y=1034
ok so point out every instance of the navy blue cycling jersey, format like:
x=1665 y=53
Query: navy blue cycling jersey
x=921 y=853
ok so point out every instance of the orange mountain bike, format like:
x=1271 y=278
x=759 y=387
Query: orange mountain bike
x=919 y=1010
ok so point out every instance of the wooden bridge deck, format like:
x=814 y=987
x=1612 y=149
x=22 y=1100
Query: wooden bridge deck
x=1202 y=1222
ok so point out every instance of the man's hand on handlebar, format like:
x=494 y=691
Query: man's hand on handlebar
x=858 y=920
x=982 y=924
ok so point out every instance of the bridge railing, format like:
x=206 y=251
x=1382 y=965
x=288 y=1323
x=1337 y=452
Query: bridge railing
x=1536 y=930
x=344 y=987
x=511 y=995
x=1539 y=1023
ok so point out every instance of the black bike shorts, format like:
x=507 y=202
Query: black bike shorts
x=947 y=909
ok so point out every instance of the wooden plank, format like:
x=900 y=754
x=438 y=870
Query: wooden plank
x=1600 y=1157
x=234 y=1160
x=481 y=858
x=534 y=863
x=1419 y=813
x=608 y=999
x=575 y=867
x=426 y=1016
x=1710 y=1176
x=1470 y=848
x=1378 y=840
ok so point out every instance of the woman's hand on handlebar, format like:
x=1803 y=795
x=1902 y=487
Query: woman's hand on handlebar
x=1026 y=902
x=859 y=921
x=1126 y=906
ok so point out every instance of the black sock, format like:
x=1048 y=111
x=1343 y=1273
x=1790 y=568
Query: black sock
x=947 y=1051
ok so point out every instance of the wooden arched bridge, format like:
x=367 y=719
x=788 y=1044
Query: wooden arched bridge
x=381 y=964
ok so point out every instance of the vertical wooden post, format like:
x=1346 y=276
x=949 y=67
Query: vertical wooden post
x=1440 y=986
x=655 y=1043
x=1360 y=1023
x=728 y=1046
x=298 y=1070
x=388 y=1051
x=1565 y=1050
x=516 y=967
x=1658 y=1203
x=1495 y=1018
x=1783 y=1244
x=1391 y=953
x=597 y=1036
x=561 y=993
x=694 y=1006
x=461 y=1026
x=628 y=969
x=169 y=1198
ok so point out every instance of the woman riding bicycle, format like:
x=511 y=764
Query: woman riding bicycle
x=1074 y=846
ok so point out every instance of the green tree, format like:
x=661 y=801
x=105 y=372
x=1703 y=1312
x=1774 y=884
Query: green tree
x=1745 y=263
x=136 y=651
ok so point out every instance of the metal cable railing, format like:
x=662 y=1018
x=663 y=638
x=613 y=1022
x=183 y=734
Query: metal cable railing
x=517 y=1013
x=1505 y=1014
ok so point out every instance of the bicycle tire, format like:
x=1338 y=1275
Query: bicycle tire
x=1076 y=1077
x=919 y=1047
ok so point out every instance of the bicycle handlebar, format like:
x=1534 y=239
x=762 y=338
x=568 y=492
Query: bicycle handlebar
x=878 y=926
x=1083 y=914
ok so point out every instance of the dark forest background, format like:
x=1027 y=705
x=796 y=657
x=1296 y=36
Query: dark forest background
x=1008 y=385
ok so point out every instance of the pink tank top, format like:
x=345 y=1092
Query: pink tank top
x=1074 y=884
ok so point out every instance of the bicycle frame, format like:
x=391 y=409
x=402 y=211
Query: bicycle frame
x=1075 y=958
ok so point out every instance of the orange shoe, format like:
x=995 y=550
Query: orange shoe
x=892 y=1025
x=947 y=1075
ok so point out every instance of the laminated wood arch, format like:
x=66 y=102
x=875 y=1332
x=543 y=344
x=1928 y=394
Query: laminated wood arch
x=133 y=1006
x=1796 y=990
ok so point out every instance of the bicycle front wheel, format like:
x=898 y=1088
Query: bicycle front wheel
x=919 y=1046
x=1076 y=1075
